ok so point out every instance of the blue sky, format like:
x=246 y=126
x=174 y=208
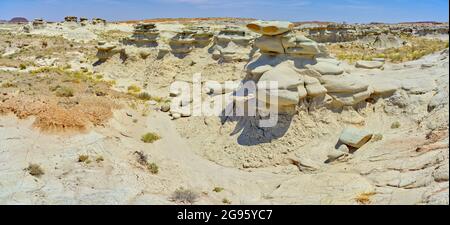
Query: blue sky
x=292 y=10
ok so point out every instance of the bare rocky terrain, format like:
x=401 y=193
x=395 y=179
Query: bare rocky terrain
x=88 y=115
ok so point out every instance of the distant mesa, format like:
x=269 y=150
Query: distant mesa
x=18 y=20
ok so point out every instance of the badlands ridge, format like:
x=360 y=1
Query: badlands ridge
x=88 y=114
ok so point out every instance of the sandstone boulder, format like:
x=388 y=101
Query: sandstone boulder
x=261 y=70
x=369 y=64
x=296 y=44
x=326 y=68
x=284 y=97
x=313 y=87
x=285 y=76
x=343 y=84
x=350 y=99
x=355 y=137
x=270 y=44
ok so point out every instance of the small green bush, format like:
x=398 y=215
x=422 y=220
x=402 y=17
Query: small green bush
x=150 y=137
x=153 y=168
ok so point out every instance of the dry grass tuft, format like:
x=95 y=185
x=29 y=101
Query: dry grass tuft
x=185 y=196
x=364 y=198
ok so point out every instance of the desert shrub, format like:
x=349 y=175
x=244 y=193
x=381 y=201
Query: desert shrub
x=395 y=125
x=83 y=159
x=35 y=170
x=218 y=189
x=134 y=89
x=153 y=168
x=22 y=66
x=150 y=137
x=141 y=158
x=63 y=91
x=226 y=201
x=182 y=195
x=144 y=96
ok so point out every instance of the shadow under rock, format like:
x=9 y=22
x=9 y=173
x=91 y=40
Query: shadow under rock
x=249 y=129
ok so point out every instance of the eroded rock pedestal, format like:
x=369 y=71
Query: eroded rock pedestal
x=39 y=23
x=232 y=44
x=144 y=35
x=189 y=38
x=303 y=75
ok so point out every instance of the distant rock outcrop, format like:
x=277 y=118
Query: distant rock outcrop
x=18 y=20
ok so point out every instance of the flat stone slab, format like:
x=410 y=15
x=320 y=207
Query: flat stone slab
x=369 y=64
x=355 y=137
x=270 y=27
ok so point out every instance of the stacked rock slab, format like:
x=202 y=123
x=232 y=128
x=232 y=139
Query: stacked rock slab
x=291 y=60
x=144 y=35
x=232 y=44
x=346 y=90
x=39 y=23
x=202 y=36
x=183 y=42
x=189 y=38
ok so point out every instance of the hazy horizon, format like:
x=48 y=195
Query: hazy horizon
x=351 y=11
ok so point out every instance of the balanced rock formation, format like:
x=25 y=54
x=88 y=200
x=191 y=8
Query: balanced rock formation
x=278 y=38
x=98 y=21
x=71 y=19
x=39 y=23
x=144 y=35
x=106 y=50
x=84 y=21
x=296 y=64
x=290 y=59
x=202 y=36
x=232 y=44
x=189 y=38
